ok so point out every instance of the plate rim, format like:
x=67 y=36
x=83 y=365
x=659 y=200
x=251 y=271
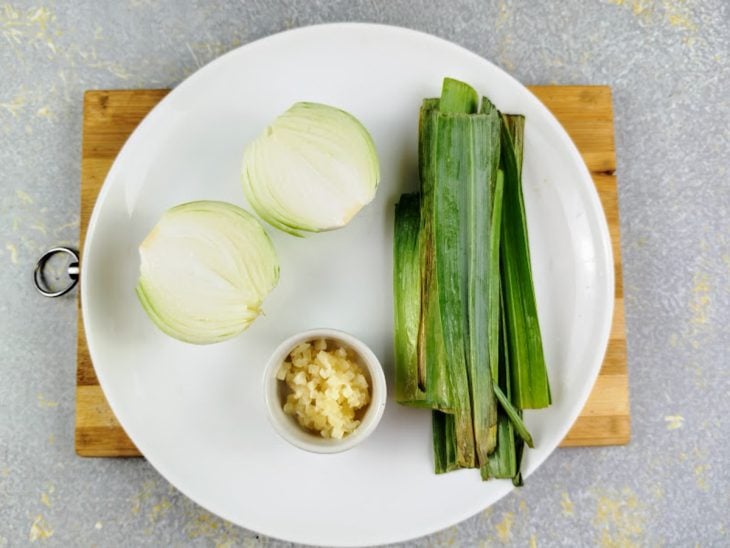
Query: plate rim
x=566 y=142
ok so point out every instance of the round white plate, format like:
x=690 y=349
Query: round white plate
x=197 y=413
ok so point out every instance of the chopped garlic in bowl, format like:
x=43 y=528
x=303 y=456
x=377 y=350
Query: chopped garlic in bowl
x=327 y=387
x=325 y=390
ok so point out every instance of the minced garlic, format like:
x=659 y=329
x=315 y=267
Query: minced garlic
x=327 y=388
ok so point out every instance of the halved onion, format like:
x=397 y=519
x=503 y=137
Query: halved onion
x=205 y=270
x=311 y=170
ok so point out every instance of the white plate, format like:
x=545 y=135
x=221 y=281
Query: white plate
x=198 y=414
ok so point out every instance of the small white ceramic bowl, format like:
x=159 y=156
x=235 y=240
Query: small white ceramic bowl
x=288 y=427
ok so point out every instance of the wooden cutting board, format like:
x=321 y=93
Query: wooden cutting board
x=584 y=111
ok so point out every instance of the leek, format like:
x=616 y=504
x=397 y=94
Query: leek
x=432 y=367
x=444 y=442
x=450 y=249
x=457 y=96
x=531 y=389
x=503 y=462
x=452 y=148
x=467 y=335
x=497 y=178
x=514 y=416
x=407 y=298
x=484 y=210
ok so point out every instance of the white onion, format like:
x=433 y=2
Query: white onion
x=205 y=270
x=311 y=170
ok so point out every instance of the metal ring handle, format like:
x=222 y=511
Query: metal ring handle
x=72 y=271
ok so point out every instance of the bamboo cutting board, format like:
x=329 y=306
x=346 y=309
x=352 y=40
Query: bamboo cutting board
x=584 y=111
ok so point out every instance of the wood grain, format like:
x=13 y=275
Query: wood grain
x=584 y=111
x=109 y=118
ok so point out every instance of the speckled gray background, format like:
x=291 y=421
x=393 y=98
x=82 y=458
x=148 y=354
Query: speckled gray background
x=667 y=62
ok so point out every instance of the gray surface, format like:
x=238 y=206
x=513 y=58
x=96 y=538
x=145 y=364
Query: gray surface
x=668 y=65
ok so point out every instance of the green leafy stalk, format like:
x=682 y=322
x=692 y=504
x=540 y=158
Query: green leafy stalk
x=426 y=162
x=467 y=334
x=407 y=298
x=438 y=431
x=519 y=450
x=497 y=187
x=503 y=462
x=432 y=367
x=482 y=302
x=444 y=442
x=530 y=385
x=458 y=97
x=514 y=417
x=450 y=245
x=454 y=163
